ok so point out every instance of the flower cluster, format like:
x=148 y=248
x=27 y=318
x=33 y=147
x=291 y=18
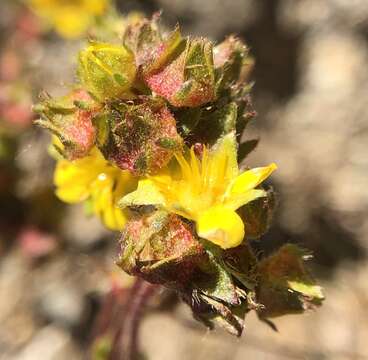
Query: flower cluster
x=151 y=139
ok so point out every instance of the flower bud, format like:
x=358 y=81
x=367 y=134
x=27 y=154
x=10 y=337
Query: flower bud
x=164 y=249
x=161 y=248
x=178 y=69
x=107 y=71
x=231 y=61
x=70 y=119
x=142 y=37
x=140 y=137
x=186 y=77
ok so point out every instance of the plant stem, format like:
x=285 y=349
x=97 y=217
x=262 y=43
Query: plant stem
x=126 y=340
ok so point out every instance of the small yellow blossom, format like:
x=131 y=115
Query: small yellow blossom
x=70 y=18
x=94 y=179
x=206 y=191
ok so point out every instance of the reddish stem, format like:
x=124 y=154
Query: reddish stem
x=120 y=318
x=126 y=341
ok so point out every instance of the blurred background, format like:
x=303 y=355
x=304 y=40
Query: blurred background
x=311 y=95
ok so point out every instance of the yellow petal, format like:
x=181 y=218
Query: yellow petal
x=72 y=184
x=147 y=193
x=72 y=195
x=221 y=226
x=237 y=200
x=222 y=165
x=71 y=22
x=66 y=174
x=93 y=178
x=120 y=218
x=70 y=19
x=248 y=180
x=109 y=217
x=103 y=203
x=96 y=7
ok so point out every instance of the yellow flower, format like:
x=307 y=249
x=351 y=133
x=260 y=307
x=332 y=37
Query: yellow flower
x=94 y=179
x=70 y=18
x=206 y=191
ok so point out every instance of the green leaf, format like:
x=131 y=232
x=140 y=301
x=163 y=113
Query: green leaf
x=217 y=282
x=242 y=264
x=308 y=289
x=285 y=285
x=246 y=148
x=218 y=122
x=257 y=215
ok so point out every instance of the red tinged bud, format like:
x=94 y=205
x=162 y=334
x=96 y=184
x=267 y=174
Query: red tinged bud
x=70 y=119
x=140 y=137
